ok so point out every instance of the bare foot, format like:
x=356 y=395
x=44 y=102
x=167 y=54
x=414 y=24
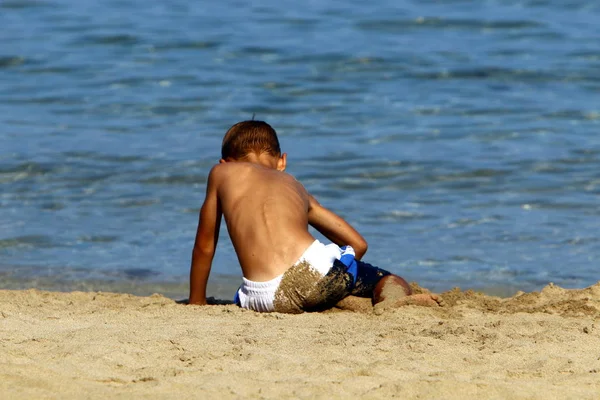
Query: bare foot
x=424 y=300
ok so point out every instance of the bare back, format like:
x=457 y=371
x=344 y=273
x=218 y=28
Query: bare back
x=266 y=212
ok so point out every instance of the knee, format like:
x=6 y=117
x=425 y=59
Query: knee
x=391 y=286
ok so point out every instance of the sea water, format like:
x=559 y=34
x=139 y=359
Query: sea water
x=461 y=138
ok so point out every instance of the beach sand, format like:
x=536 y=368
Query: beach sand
x=541 y=345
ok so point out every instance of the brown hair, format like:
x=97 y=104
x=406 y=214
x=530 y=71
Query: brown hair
x=248 y=137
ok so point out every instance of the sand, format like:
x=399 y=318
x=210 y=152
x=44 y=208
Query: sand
x=542 y=345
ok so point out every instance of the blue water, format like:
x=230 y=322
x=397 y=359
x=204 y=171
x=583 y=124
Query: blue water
x=460 y=137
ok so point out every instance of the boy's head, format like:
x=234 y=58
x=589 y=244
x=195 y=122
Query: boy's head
x=251 y=140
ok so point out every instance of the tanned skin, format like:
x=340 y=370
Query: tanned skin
x=267 y=213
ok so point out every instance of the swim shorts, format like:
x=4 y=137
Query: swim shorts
x=323 y=275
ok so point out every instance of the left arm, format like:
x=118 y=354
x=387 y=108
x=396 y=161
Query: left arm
x=205 y=244
x=335 y=228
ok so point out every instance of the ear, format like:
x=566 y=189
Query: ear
x=282 y=162
x=221 y=161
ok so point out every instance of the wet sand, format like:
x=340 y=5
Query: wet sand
x=541 y=345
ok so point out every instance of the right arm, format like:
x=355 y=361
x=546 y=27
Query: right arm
x=205 y=244
x=335 y=228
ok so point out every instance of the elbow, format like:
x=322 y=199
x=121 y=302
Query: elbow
x=203 y=251
x=360 y=248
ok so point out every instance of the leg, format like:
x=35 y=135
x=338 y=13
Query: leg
x=389 y=290
x=356 y=304
x=394 y=291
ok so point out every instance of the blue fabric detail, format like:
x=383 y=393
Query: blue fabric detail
x=236 y=298
x=350 y=262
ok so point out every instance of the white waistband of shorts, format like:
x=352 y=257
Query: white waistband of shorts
x=260 y=288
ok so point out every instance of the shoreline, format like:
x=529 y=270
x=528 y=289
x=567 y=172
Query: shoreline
x=94 y=344
x=220 y=286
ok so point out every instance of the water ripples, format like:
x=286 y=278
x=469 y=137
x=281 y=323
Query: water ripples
x=460 y=135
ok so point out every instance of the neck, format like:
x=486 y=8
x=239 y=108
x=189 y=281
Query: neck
x=264 y=159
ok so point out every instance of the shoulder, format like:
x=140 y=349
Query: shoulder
x=221 y=170
x=311 y=201
x=217 y=174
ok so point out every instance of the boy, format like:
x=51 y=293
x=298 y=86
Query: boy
x=267 y=213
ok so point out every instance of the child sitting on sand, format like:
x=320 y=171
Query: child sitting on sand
x=267 y=212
